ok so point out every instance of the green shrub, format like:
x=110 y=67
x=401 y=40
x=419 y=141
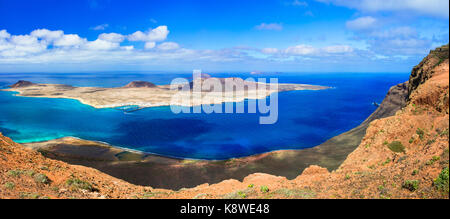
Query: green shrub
x=421 y=133
x=296 y=193
x=264 y=189
x=27 y=195
x=415 y=172
x=441 y=183
x=10 y=185
x=41 y=178
x=30 y=173
x=242 y=194
x=76 y=184
x=433 y=160
x=396 y=147
x=15 y=173
x=411 y=185
x=444 y=133
x=251 y=186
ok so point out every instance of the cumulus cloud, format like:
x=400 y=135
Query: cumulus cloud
x=44 y=45
x=270 y=26
x=69 y=40
x=112 y=37
x=438 y=8
x=23 y=45
x=4 y=34
x=47 y=35
x=152 y=35
x=362 y=23
x=41 y=42
x=100 y=44
x=47 y=46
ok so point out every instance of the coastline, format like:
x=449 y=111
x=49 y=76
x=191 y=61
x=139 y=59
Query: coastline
x=164 y=172
x=153 y=96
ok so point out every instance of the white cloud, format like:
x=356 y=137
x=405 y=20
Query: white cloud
x=308 y=50
x=24 y=40
x=398 y=41
x=69 y=40
x=301 y=50
x=362 y=23
x=106 y=50
x=21 y=45
x=47 y=34
x=403 y=32
x=438 y=8
x=100 y=44
x=338 y=49
x=271 y=26
x=100 y=27
x=270 y=50
x=112 y=37
x=149 y=45
x=168 y=46
x=152 y=35
x=4 y=34
x=46 y=46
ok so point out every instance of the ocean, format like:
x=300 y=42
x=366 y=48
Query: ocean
x=306 y=118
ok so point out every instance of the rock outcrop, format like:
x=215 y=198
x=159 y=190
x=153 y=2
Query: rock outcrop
x=22 y=83
x=424 y=70
x=140 y=84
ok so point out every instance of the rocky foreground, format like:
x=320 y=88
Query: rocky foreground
x=401 y=156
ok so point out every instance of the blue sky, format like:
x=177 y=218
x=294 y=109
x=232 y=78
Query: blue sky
x=219 y=35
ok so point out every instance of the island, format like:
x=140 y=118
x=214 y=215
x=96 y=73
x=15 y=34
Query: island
x=142 y=94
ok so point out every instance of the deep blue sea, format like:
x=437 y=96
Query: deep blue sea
x=306 y=118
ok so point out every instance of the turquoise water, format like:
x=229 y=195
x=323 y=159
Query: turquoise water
x=306 y=118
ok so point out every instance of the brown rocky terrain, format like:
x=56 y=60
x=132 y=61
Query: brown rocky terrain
x=404 y=153
x=138 y=84
x=22 y=83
